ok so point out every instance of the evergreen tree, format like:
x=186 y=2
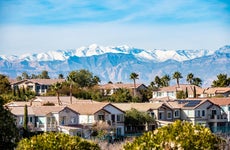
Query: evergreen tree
x=25 y=121
x=186 y=92
x=194 y=92
x=222 y=81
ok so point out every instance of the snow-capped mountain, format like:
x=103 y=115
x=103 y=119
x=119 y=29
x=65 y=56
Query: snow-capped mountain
x=92 y=50
x=116 y=63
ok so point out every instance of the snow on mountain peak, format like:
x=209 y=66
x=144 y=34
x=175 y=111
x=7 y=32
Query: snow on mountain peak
x=94 y=49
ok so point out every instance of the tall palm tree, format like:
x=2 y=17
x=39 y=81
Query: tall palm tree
x=157 y=81
x=190 y=78
x=177 y=75
x=134 y=76
x=197 y=81
x=165 y=80
x=71 y=80
x=56 y=87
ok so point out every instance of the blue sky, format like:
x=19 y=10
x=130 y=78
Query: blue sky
x=32 y=26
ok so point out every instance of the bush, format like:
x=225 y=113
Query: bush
x=56 y=141
x=179 y=135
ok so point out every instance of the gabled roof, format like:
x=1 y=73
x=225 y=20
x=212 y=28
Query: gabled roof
x=40 y=81
x=19 y=110
x=44 y=110
x=188 y=103
x=119 y=85
x=139 y=106
x=217 y=90
x=65 y=100
x=220 y=101
x=183 y=87
x=88 y=108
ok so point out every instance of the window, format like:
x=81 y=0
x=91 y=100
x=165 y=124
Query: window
x=31 y=119
x=20 y=120
x=119 y=118
x=169 y=115
x=113 y=118
x=161 y=117
x=152 y=114
x=176 y=113
x=73 y=120
x=101 y=117
x=198 y=113
x=203 y=113
x=158 y=94
x=119 y=131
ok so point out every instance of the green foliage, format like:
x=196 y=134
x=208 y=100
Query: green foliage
x=4 y=84
x=222 y=81
x=25 y=122
x=177 y=75
x=179 y=135
x=121 y=96
x=9 y=134
x=56 y=141
x=136 y=118
x=180 y=95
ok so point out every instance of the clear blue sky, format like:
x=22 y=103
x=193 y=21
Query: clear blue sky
x=41 y=25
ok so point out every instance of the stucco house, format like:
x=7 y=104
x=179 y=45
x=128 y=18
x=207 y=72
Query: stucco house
x=39 y=86
x=217 y=92
x=171 y=91
x=109 y=89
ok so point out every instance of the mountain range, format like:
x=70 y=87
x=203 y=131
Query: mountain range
x=116 y=63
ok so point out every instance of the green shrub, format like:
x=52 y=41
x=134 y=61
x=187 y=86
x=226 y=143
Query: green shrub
x=56 y=141
x=179 y=135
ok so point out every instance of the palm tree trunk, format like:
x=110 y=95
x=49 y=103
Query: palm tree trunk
x=71 y=89
x=134 y=92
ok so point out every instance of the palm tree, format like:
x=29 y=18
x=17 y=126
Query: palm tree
x=177 y=75
x=71 y=80
x=157 y=81
x=165 y=80
x=190 y=78
x=56 y=87
x=197 y=82
x=134 y=76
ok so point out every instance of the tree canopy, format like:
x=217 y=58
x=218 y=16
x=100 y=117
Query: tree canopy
x=56 y=141
x=179 y=135
x=9 y=134
x=222 y=81
x=177 y=75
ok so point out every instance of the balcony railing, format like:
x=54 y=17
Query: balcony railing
x=217 y=117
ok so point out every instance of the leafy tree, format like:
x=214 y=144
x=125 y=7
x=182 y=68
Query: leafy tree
x=190 y=77
x=177 y=75
x=121 y=95
x=44 y=75
x=25 y=76
x=96 y=80
x=60 y=76
x=4 y=84
x=56 y=141
x=180 y=95
x=18 y=78
x=134 y=76
x=179 y=135
x=9 y=134
x=135 y=118
x=165 y=80
x=222 y=81
x=33 y=76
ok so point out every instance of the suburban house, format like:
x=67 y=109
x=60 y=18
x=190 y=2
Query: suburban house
x=171 y=91
x=39 y=86
x=158 y=110
x=224 y=103
x=91 y=114
x=109 y=89
x=47 y=118
x=217 y=92
x=202 y=112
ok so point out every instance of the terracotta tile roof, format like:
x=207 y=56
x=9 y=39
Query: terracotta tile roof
x=65 y=100
x=162 y=99
x=44 y=110
x=189 y=103
x=190 y=88
x=220 y=101
x=119 y=85
x=217 y=90
x=40 y=81
x=18 y=103
x=139 y=106
x=87 y=108
x=19 y=110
